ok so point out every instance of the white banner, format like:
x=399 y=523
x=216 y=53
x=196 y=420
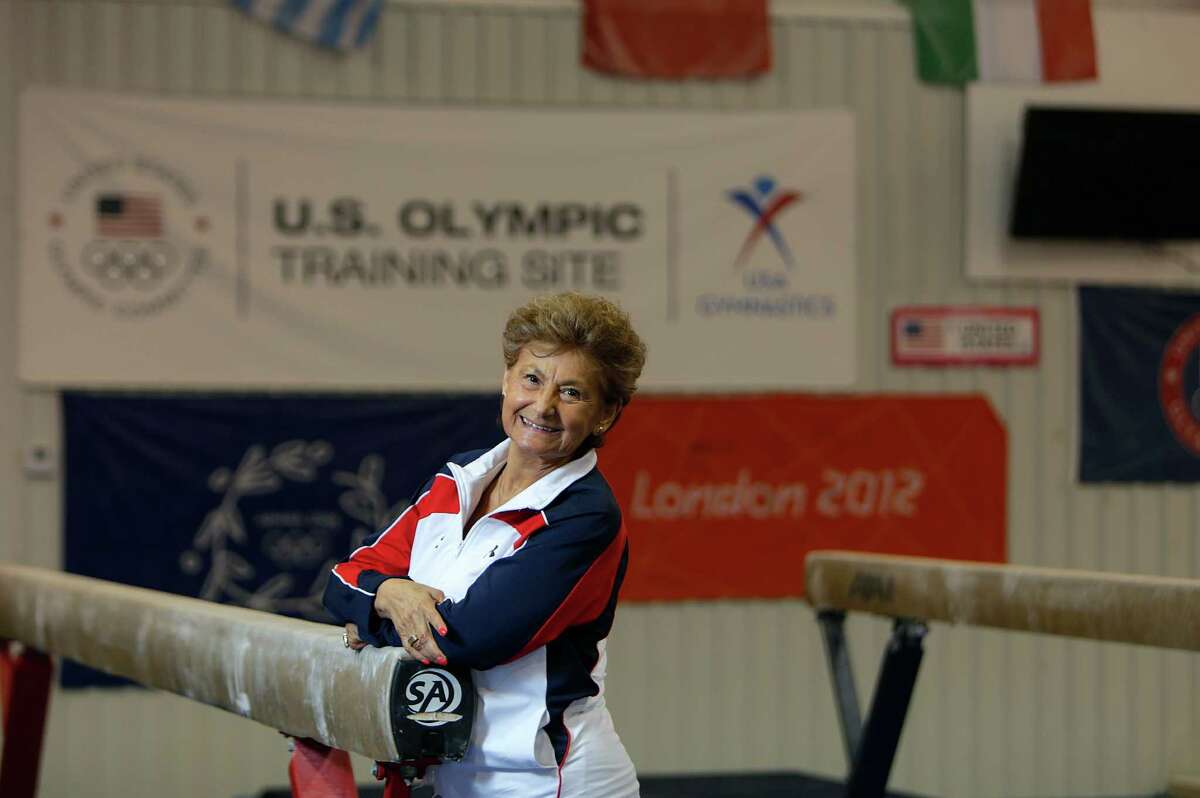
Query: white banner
x=264 y=244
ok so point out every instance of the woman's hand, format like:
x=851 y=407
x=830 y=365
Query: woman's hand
x=412 y=609
x=352 y=639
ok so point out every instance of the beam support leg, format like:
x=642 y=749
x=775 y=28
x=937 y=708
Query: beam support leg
x=889 y=705
x=845 y=696
x=25 y=675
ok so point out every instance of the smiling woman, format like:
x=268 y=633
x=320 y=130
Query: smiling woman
x=592 y=343
x=509 y=562
x=553 y=403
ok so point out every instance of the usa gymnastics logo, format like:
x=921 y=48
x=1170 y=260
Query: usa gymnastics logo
x=764 y=201
x=766 y=288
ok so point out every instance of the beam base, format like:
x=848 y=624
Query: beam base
x=25 y=675
x=318 y=771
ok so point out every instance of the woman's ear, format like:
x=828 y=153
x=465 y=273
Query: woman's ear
x=610 y=416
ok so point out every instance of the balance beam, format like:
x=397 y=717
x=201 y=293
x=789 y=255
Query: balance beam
x=292 y=675
x=1123 y=608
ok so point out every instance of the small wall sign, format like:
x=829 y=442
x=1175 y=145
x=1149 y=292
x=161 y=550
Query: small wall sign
x=948 y=335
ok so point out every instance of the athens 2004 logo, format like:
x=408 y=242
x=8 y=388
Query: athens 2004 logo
x=126 y=236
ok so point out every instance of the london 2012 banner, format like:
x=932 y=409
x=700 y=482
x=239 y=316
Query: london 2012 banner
x=724 y=496
x=201 y=242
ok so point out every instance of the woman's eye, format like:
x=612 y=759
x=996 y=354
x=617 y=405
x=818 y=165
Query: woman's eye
x=571 y=393
x=531 y=379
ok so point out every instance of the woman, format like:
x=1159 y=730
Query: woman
x=510 y=561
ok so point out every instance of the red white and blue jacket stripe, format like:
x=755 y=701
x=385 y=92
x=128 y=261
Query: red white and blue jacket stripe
x=531 y=591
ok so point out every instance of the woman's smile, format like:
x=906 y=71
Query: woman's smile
x=538 y=427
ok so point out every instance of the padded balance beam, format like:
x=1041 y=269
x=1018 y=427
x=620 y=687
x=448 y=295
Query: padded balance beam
x=1124 y=608
x=292 y=675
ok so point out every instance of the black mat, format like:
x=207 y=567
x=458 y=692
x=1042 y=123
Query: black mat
x=725 y=785
x=717 y=785
x=744 y=785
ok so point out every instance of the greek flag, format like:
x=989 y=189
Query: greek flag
x=338 y=24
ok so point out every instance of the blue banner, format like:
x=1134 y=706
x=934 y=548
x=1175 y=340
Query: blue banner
x=1139 y=385
x=247 y=500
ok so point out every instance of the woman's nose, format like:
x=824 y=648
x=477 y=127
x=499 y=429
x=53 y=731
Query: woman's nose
x=547 y=400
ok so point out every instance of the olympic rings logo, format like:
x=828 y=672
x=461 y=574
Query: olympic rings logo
x=142 y=265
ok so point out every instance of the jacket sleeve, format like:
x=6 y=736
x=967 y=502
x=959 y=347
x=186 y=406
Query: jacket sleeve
x=350 y=591
x=563 y=575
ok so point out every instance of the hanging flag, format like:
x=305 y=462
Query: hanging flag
x=677 y=38
x=248 y=499
x=338 y=24
x=1019 y=40
x=1139 y=385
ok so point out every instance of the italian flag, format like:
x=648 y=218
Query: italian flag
x=1030 y=40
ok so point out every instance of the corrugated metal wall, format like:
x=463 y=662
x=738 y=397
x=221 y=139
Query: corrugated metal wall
x=693 y=687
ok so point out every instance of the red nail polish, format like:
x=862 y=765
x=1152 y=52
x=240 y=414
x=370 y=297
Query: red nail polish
x=442 y=631
x=424 y=662
x=441 y=660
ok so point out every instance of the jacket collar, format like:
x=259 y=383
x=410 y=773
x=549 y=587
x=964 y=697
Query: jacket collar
x=484 y=468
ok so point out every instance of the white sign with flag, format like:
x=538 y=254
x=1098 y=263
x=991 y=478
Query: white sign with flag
x=203 y=243
x=964 y=336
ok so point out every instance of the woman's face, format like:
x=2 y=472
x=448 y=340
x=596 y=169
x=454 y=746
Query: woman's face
x=552 y=401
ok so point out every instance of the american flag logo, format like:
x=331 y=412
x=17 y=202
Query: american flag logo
x=129 y=216
x=922 y=334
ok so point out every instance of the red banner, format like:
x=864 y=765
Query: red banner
x=723 y=497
